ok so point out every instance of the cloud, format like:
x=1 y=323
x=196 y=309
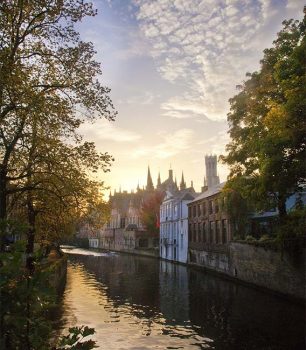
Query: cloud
x=105 y=130
x=171 y=144
x=144 y=98
x=216 y=143
x=207 y=45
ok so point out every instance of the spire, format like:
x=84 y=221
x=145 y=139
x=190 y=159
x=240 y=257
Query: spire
x=110 y=193
x=175 y=182
x=191 y=183
x=183 y=183
x=138 y=187
x=149 y=186
x=158 y=180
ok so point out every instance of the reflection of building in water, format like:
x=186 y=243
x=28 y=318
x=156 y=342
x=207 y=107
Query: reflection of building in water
x=124 y=231
x=174 y=223
x=174 y=292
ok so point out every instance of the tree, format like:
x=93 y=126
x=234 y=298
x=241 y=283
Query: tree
x=47 y=74
x=149 y=212
x=266 y=153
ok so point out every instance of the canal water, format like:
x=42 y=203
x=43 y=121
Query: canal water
x=143 y=303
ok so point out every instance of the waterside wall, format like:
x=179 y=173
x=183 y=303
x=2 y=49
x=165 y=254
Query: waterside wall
x=279 y=271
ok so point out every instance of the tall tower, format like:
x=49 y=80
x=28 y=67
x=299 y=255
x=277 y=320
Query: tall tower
x=149 y=186
x=211 y=171
x=183 y=183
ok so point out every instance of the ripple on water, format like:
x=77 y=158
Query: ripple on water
x=137 y=303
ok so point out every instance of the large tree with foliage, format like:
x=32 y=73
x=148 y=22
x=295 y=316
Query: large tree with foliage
x=266 y=153
x=47 y=74
x=149 y=212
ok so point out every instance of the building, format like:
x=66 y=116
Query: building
x=209 y=229
x=174 y=223
x=125 y=231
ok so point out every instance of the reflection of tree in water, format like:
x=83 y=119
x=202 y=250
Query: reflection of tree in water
x=184 y=303
x=237 y=317
x=130 y=281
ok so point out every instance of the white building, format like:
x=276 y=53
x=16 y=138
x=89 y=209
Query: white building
x=174 y=223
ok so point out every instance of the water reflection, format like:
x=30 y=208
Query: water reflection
x=142 y=303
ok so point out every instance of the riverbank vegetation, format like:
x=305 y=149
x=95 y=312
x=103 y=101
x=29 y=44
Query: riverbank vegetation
x=267 y=150
x=49 y=86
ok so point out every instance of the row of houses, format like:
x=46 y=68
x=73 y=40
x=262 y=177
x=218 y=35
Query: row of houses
x=188 y=220
x=192 y=225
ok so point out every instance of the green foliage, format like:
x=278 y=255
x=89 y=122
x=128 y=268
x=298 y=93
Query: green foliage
x=49 y=86
x=266 y=154
x=25 y=299
x=237 y=207
x=294 y=226
x=75 y=339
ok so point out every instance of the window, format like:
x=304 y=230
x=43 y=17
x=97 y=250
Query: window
x=217 y=223
x=203 y=208
x=199 y=209
x=122 y=223
x=194 y=211
x=224 y=231
x=204 y=231
x=194 y=233
x=189 y=212
x=216 y=206
x=210 y=208
x=211 y=231
x=199 y=233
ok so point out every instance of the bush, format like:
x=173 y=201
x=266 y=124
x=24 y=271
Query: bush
x=250 y=238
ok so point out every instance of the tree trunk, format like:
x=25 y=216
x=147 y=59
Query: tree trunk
x=30 y=234
x=3 y=204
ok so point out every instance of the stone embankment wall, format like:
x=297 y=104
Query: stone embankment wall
x=282 y=272
x=153 y=252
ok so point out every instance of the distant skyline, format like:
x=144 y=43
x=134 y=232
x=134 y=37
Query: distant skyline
x=172 y=66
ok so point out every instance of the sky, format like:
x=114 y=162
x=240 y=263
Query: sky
x=172 y=66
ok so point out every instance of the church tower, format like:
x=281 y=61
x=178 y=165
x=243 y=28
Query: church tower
x=212 y=177
x=149 y=186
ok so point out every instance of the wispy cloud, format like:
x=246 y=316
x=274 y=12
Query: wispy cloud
x=171 y=144
x=105 y=130
x=207 y=44
x=143 y=98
